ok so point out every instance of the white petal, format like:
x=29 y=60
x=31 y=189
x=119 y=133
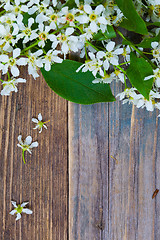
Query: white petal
x=154 y=44
x=18 y=216
x=13 y=212
x=14 y=204
x=15 y=71
x=24 y=204
x=47 y=66
x=34 y=144
x=65 y=48
x=87 y=9
x=4 y=58
x=118 y=51
x=40 y=117
x=19 y=145
x=69 y=31
x=100 y=54
x=37 y=126
x=93 y=27
x=30 y=22
x=114 y=61
x=34 y=120
x=149 y=106
x=149 y=77
x=106 y=64
x=27 y=211
x=16 y=52
x=22 y=61
x=29 y=150
x=110 y=46
x=44 y=126
x=99 y=9
x=32 y=10
x=20 y=139
x=28 y=140
x=20 y=80
x=40 y=130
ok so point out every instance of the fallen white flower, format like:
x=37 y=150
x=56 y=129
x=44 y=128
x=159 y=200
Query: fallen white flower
x=19 y=209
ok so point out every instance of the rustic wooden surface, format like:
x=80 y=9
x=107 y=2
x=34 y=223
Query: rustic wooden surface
x=43 y=180
x=114 y=169
x=92 y=176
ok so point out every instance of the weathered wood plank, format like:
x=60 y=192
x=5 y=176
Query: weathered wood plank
x=43 y=180
x=133 y=142
x=88 y=171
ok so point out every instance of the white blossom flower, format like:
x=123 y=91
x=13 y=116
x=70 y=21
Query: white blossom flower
x=94 y=65
x=26 y=31
x=67 y=41
x=156 y=52
x=51 y=57
x=34 y=61
x=44 y=35
x=118 y=75
x=20 y=209
x=93 y=16
x=37 y=6
x=39 y=123
x=17 y=8
x=11 y=85
x=53 y=18
x=11 y=62
x=111 y=55
x=156 y=77
x=106 y=79
x=26 y=145
x=68 y=16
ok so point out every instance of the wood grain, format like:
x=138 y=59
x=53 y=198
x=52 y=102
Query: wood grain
x=88 y=171
x=43 y=180
x=133 y=141
x=123 y=142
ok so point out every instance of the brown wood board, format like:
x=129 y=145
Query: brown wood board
x=43 y=180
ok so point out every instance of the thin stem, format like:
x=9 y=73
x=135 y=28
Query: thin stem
x=47 y=121
x=1 y=13
x=86 y=52
x=92 y=45
x=1 y=80
x=23 y=156
x=122 y=70
x=125 y=82
x=136 y=49
x=79 y=29
x=123 y=63
x=147 y=53
x=8 y=75
x=33 y=45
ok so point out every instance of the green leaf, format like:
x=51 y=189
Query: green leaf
x=139 y=69
x=108 y=34
x=146 y=43
x=153 y=24
x=70 y=3
x=76 y=87
x=134 y=20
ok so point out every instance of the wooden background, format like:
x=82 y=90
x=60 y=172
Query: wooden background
x=75 y=187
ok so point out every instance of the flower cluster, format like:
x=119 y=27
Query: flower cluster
x=27 y=145
x=40 y=33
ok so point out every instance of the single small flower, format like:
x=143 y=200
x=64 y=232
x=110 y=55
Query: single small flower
x=26 y=145
x=39 y=122
x=19 y=209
